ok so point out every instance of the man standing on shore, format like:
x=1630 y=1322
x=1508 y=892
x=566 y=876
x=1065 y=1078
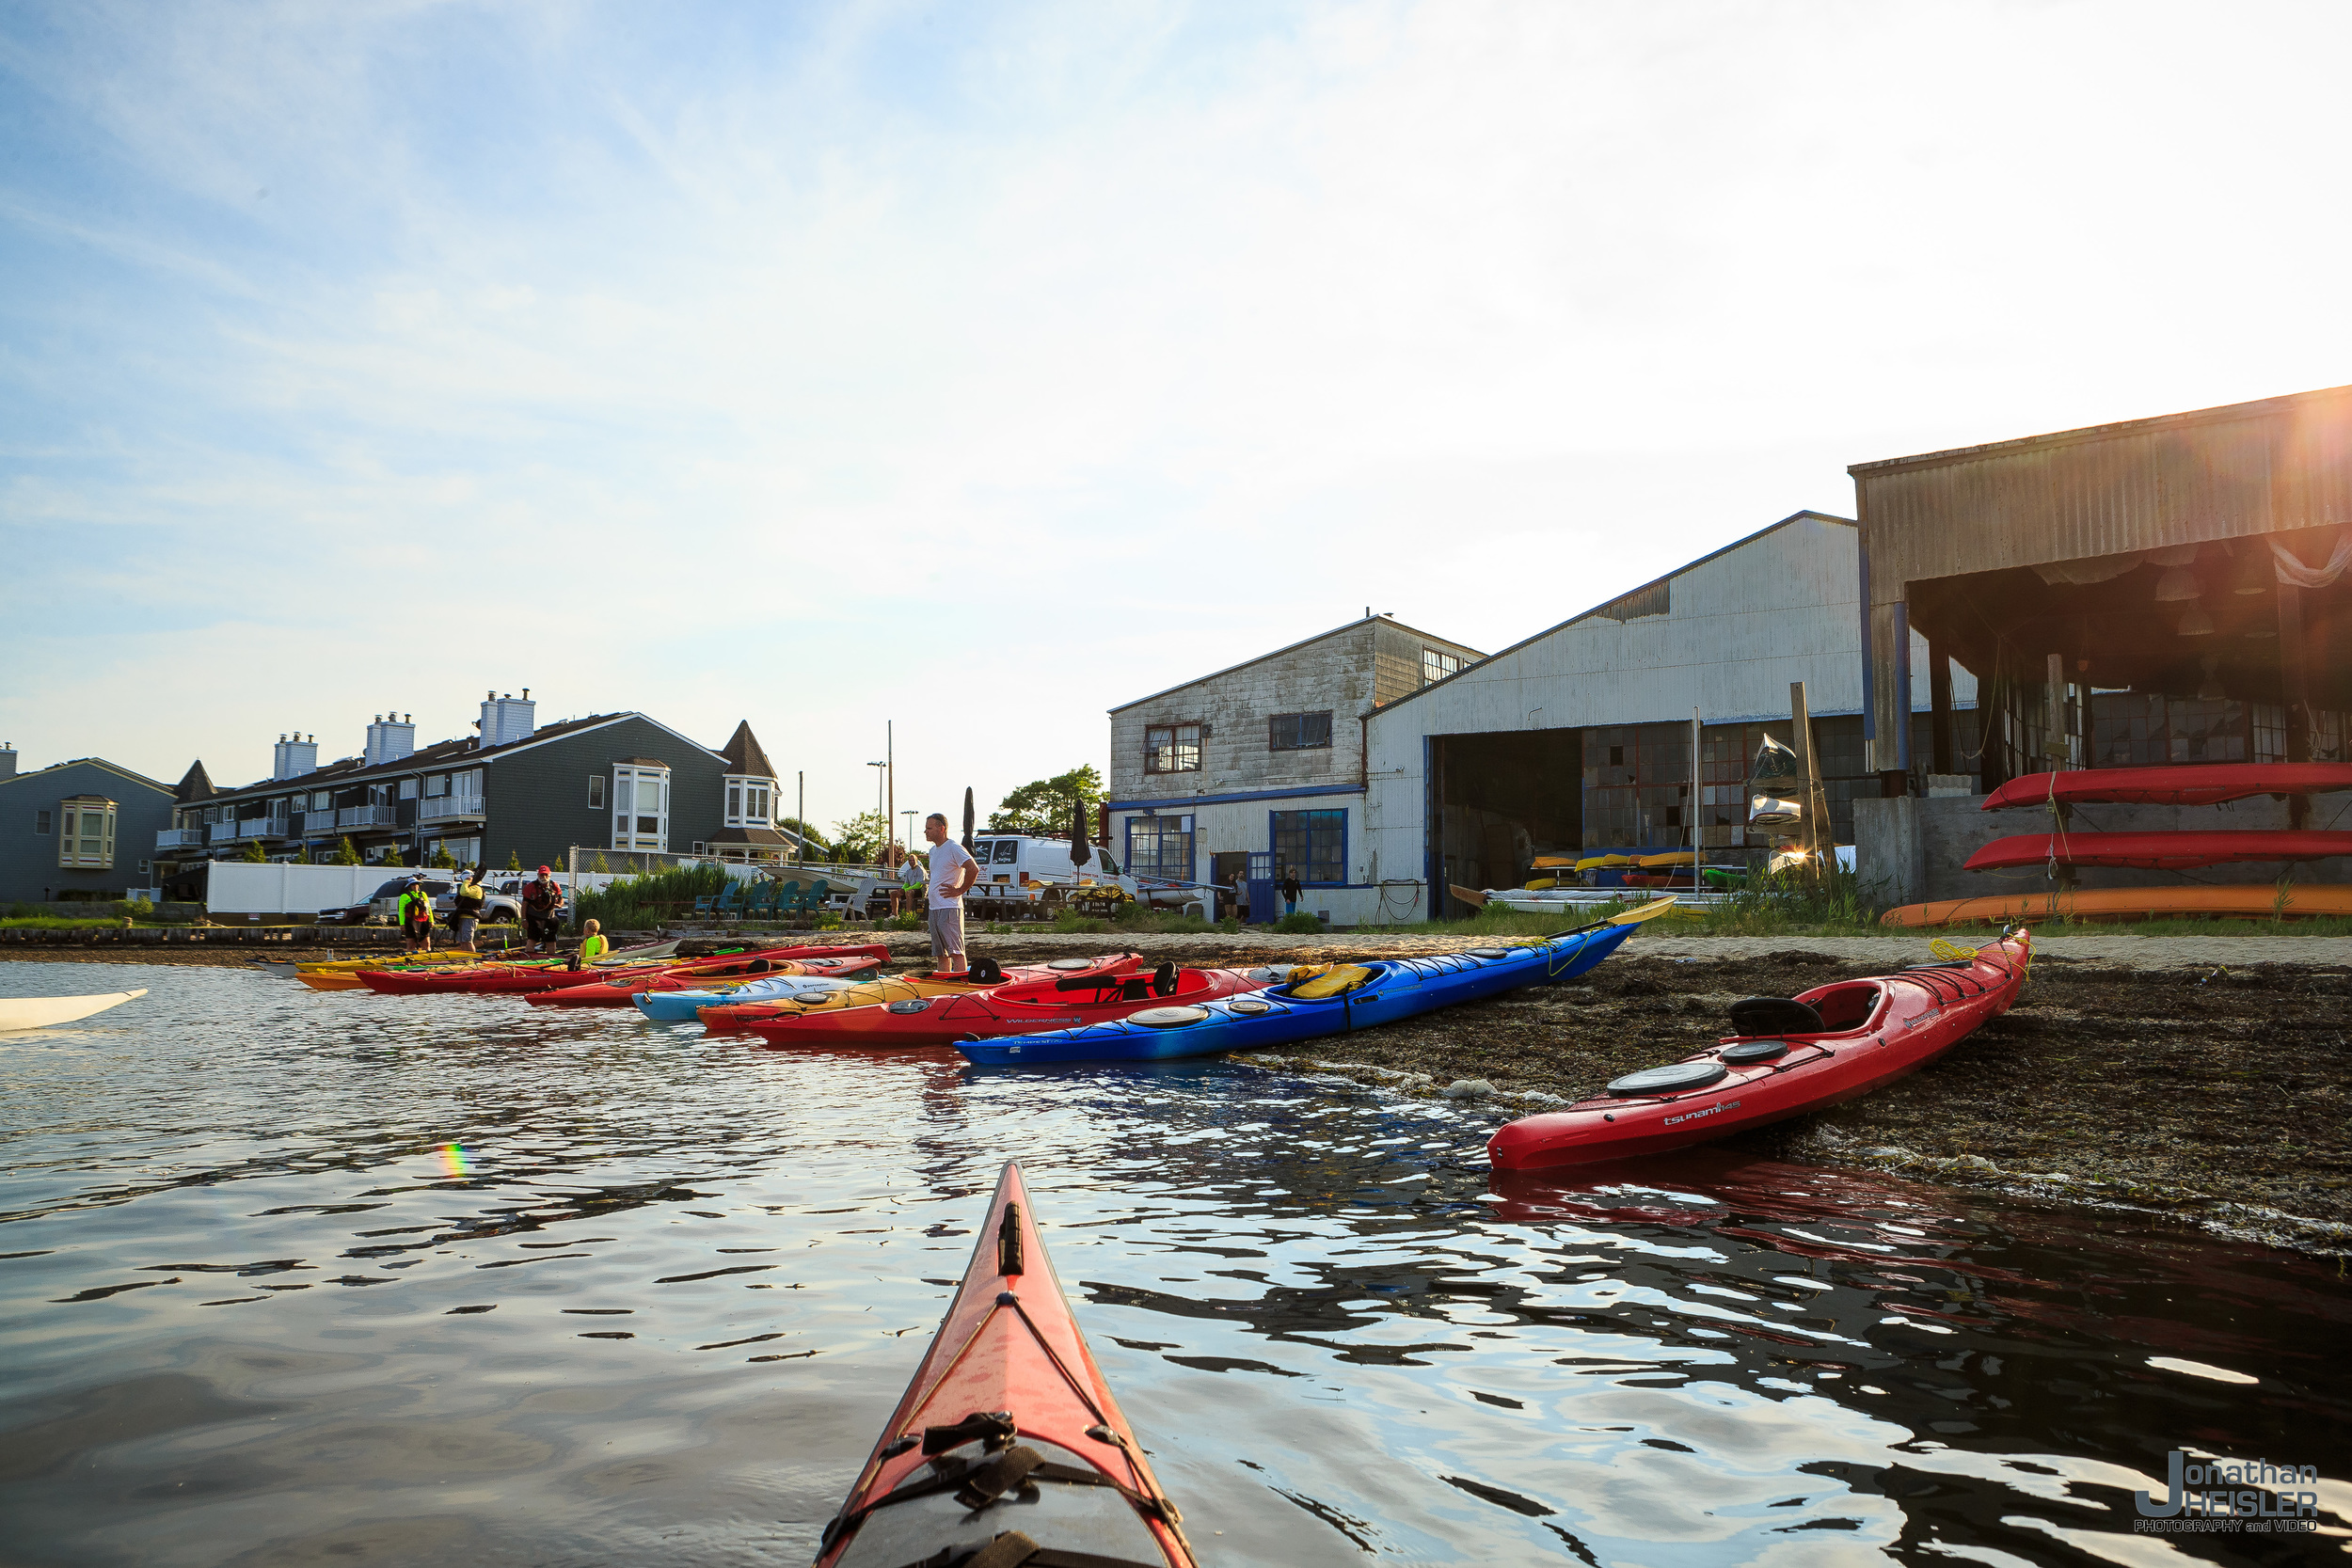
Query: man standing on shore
x=953 y=871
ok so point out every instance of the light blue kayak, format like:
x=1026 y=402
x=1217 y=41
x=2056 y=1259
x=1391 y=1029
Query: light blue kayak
x=1395 y=989
x=679 y=1006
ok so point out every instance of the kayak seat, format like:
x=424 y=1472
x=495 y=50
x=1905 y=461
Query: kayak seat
x=988 y=972
x=1332 y=982
x=1775 y=1015
x=1164 y=981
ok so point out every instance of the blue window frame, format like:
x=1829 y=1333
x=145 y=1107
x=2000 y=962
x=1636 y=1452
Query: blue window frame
x=1313 y=844
x=1160 y=846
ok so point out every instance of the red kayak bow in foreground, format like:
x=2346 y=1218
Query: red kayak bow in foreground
x=1007 y=1448
x=1791 y=1055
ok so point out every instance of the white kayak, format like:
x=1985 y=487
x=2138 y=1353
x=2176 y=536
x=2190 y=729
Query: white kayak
x=32 y=1012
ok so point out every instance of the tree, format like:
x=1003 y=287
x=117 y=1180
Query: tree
x=301 y=856
x=254 y=853
x=814 y=845
x=392 y=857
x=346 y=853
x=441 y=861
x=514 y=859
x=1044 y=806
x=601 y=867
x=860 y=840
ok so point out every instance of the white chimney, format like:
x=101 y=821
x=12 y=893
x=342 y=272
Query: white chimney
x=8 y=759
x=294 y=756
x=509 y=719
x=392 y=737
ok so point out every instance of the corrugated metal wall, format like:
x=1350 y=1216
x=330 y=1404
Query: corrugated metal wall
x=2216 y=473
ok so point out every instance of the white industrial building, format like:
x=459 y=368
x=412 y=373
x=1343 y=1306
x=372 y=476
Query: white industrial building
x=1581 y=737
x=1262 y=765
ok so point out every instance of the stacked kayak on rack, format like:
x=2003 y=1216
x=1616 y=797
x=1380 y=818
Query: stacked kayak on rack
x=1309 y=1004
x=1787 y=1057
x=2200 y=785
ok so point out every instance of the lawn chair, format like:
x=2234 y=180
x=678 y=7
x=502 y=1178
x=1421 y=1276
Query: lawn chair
x=761 y=902
x=725 y=907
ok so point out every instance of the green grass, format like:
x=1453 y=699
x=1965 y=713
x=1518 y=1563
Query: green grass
x=639 y=903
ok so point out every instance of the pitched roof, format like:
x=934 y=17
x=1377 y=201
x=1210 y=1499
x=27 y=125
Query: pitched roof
x=1261 y=658
x=744 y=757
x=462 y=751
x=1616 y=608
x=752 y=835
x=194 y=784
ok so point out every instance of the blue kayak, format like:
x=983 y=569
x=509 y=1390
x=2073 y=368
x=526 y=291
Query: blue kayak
x=1378 y=990
x=679 y=1006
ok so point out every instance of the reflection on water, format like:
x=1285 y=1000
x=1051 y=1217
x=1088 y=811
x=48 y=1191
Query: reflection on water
x=654 y=1303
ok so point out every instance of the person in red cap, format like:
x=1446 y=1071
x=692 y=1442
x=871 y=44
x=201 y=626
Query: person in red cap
x=541 y=899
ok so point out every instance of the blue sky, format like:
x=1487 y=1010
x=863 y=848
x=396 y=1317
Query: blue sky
x=981 y=367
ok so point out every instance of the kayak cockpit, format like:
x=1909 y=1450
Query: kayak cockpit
x=956 y=1504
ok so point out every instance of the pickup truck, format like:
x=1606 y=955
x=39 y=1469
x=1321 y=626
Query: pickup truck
x=383 y=905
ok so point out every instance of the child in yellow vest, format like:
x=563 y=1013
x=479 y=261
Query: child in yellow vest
x=592 y=945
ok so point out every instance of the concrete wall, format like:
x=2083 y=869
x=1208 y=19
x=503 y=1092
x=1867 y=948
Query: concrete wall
x=1912 y=851
x=28 y=859
x=1736 y=629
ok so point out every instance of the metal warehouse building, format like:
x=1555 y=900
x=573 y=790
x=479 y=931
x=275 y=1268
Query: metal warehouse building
x=1581 y=737
x=2169 y=590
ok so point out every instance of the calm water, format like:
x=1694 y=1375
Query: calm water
x=255 y=1312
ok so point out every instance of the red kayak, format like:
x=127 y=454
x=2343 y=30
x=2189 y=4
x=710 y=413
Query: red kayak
x=617 y=990
x=2173 y=851
x=1019 y=1009
x=984 y=975
x=521 y=979
x=2204 y=784
x=1791 y=1055
x=1007 y=1448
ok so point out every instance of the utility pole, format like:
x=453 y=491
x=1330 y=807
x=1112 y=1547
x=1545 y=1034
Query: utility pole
x=890 y=772
x=1816 y=825
x=801 y=815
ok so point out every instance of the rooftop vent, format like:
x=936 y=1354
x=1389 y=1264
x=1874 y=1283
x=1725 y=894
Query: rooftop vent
x=297 y=754
x=8 y=759
x=508 y=719
x=392 y=737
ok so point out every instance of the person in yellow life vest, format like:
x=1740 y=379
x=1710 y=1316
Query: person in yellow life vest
x=415 y=915
x=466 y=905
x=592 y=944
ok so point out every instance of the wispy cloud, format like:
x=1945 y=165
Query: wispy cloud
x=984 y=368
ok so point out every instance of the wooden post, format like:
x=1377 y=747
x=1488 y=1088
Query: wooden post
x=2295 y=691
x=1817 y=831
x=1940 y=709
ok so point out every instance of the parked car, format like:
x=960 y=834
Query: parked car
x=384 y=905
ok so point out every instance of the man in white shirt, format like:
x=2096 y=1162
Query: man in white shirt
x=953 y=871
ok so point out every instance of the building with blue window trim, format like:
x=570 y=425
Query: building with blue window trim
x=1259 y=769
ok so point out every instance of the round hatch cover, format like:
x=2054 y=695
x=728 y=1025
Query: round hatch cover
x=1754 y=1050
x=1249 y=1006
x=1490 y=952
x=1072 y=963
x=911 y=1004
x=1168 y=1018
x=1668 y=1079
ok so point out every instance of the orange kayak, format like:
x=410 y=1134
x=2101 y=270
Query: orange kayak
x=2245 y=901
x=1007 y=1443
